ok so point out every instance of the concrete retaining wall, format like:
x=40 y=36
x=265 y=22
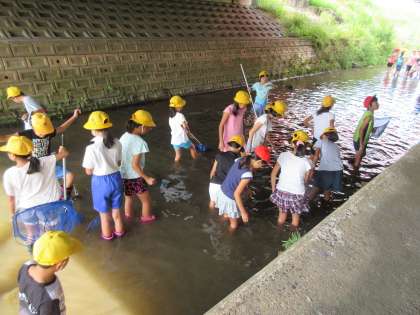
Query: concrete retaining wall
x=362 y=259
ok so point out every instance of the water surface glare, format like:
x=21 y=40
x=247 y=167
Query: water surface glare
x=186 y=261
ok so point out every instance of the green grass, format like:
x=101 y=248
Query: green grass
x=344 y=33
x=294 y=237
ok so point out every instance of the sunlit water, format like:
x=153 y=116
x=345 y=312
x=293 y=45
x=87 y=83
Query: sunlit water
x=187 y=261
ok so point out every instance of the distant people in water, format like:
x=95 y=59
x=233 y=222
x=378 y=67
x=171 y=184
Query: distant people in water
x=399 y=64
x=392 y=59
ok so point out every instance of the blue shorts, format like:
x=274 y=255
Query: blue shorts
x=185 y=145
x=59 y=171
x=329 y=180
x=259 y=108
x=107 y=192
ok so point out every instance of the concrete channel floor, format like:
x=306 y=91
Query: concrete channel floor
x=362 y=259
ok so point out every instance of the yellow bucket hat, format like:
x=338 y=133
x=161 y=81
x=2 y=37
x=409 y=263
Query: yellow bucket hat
x=13 y=91
x=144 y=118
x=238 y=139
x=42 y=124
x=263 y=73
x=328 y=101
x=279 y=107
x=177 y=102
x=242 y=97
x=18 y=145
x=98 y=120
x=55 y=246
x=300 y=135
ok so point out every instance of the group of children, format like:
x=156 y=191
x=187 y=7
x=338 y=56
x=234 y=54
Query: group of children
x=399 y=59
x=117 y=168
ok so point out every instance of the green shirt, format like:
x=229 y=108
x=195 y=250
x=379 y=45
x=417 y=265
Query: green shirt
x=356 y=136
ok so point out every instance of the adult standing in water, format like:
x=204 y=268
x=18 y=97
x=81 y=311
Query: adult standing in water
x=322 y=118
x=232 y=122
x=262 y=88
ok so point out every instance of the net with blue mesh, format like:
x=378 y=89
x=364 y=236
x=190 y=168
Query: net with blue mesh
x=31 y=223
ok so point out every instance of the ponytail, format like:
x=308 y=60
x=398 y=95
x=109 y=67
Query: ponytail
x=172 y=112
x=322 y=110
x=108 y=138
x=235 y=109
x=131 y=125
x=34 y=165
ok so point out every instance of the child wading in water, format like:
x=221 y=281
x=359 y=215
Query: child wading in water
x=263 y=124
x=221 y=166
x=262 y=89
x=179 y=128
x=295 y=168
x=40 y=291
x=364 y=129
x=134 y=149
x=228 y=199
x=102 y=160
x=329 y=175
x=232 y=122
x=322 y=118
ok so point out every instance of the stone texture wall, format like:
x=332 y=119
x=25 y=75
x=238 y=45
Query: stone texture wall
x=115 y=53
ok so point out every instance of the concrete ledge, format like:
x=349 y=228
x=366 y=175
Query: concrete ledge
x=362 y=259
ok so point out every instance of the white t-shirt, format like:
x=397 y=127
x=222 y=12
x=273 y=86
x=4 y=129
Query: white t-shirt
x=292 y=174
x=30 y=106
x=102 y=160
x=330 y=155
x=35 y=189
x=321 y=122
x=178 y=133
x=132 y=145
x=260 y=134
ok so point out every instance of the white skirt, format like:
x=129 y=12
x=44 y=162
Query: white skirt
x=226 y=205
x=213 y=190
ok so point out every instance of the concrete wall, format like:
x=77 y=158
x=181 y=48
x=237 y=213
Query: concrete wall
x=99 y=54
x=362 y=259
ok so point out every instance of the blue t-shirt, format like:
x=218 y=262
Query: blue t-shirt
x=262 y=92
x=132 y=145
x=235 y=175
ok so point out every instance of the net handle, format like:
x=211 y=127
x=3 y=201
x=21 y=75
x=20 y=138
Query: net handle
x=249 y=90
x=64 y=171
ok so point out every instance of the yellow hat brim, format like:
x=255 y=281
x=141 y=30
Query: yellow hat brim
x=3 y=148
x=90 y=126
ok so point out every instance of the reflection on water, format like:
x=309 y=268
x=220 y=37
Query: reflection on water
x=187 y=261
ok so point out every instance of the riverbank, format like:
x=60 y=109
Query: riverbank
x=362 y=259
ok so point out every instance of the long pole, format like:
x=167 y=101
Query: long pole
x=64 y=170
x=249 y=90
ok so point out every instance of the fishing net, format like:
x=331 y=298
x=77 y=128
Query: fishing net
x=30 y=224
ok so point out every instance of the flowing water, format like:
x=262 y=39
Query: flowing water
x=187 y=261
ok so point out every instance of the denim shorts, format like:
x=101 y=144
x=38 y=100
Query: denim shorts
x=185 y=145
x=107 y=192
x=329 y=180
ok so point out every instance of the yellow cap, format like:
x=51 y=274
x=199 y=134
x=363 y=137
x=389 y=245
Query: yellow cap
x=53 y=247
x=279 y=107
x=98 y=120
x=177 y=101
x=238 y=139
x=18 y=145
x=329 y=129
x=42 y=124
x=328 y=101
x=300 y=135
x=242 y=97
x=263 y=73
x=13 y=91
x=144 y=118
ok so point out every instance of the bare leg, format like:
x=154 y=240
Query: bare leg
x=312 y=194
x=69 y=179
x=212 y=205
x=128 y=206
x=116 y=216
x=177 y=155
x=233 y=224
x=282 y=217
x=193 y=152
x=357 y=161
x=295 y=220
x=327 y=195
x=146 y=204
x=106 y=224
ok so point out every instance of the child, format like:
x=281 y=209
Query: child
x=364 y=129
x=322 y=119
x=40 y=291
x=289 y=193
x=31 y=106
x=102 y=160
x=399 y=64
x=392 y=59
x=179 y=128
x=42 y=133
x=410 y=64
x=262 y=88
x=133 y=161
x=263 y=124
x=329 y=175
x=232 y=122
x=228 y=198
x=221 y=166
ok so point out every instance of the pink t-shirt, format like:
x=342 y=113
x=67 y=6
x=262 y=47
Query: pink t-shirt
x=234 y=124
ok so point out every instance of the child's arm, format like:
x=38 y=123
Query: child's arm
x=62 y=153
x=69 y=121
x=11 y=204
x=253 y=130
x=308 y=176
x=363 y=130
x=135 y=164
x=237 y=194
x=221 y=130
x=307 y=121
x=213 y=170
x=316 y=156
x=274 y=173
